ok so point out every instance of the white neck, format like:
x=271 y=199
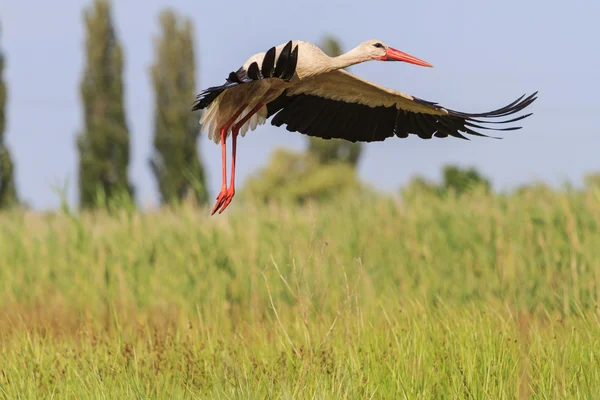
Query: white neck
x=352 y=57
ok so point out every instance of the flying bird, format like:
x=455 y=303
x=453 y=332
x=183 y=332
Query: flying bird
x=311 y=93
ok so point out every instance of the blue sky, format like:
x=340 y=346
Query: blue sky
x=485 y=55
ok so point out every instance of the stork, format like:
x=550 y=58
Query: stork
x=311 y=93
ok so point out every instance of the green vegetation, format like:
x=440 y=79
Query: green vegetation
x=592 y=181
x=175 y=163
x=470 y=296
x=104 y=143
x=8 y=191
x=292 y=177
x=462 y=180
x=456 y=180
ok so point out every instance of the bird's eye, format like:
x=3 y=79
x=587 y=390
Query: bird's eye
x=378 y=45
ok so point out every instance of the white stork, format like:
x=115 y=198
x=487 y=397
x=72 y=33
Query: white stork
x=311 y=93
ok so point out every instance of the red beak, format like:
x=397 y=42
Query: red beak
x=397 y=55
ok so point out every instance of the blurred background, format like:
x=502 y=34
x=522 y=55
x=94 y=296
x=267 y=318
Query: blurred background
x=98 y=95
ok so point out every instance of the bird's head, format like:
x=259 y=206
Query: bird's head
x=377 y=50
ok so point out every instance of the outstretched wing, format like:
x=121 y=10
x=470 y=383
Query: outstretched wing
x=341 y=105
x=278 y=62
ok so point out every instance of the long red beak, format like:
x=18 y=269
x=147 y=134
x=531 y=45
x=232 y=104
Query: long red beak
x=397 y=55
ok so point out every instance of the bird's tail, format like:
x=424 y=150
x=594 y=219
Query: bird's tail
x=208 y=121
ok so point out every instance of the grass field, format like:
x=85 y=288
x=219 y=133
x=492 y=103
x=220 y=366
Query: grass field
x=491 y=297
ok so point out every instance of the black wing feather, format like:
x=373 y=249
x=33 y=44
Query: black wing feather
x=282 y=60
x=327 y=118
x=207 y=96
x=268 y=65
x=253 y=71
x=290 y=66
x=400 y=128
x=234 y=78
x=284 y=69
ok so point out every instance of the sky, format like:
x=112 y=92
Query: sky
x=486 y=54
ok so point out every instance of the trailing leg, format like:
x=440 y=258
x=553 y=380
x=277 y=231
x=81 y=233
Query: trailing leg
x=235 y=130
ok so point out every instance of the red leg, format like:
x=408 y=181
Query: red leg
x=234 y=133
x=221 y=197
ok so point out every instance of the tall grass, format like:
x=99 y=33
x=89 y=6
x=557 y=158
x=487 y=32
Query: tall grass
x=477 y=296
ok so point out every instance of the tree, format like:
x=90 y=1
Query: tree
x=330 y=150
x=8 y=191
x=418 y=187
x=300 y=177
x=462 y=180
x=104 y=143
x=175 y=162
x=456 y=179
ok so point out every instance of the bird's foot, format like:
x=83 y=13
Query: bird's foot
x=223 y=200
x=228 y=198
x=220 y=199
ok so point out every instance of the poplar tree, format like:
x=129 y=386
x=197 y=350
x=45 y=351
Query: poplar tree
x=175 y=163
x=104 y=143
x=8 y=192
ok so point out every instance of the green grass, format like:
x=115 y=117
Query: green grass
x=474 y=297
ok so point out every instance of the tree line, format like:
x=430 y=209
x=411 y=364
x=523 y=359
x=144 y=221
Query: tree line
x=103 y=143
